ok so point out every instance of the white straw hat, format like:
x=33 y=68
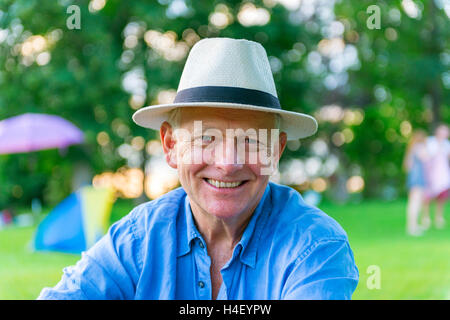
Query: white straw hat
x=228 y=73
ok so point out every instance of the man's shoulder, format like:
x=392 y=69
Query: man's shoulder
x=170 y=200
x=161 y=210
x=294 y=217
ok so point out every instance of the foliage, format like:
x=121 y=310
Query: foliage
x=399 y=75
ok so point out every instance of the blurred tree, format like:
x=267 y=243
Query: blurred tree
x=130 y=54
x=402 y=82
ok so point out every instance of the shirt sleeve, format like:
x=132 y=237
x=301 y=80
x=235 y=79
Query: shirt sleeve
x=325 y=271
x=106 y=271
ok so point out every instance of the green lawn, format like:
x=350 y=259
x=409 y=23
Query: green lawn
x=410 y=268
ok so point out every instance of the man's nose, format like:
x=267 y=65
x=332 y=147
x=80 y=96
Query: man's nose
x=229 y=161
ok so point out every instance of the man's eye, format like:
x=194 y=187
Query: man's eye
x=251 y=141
x=207 y=139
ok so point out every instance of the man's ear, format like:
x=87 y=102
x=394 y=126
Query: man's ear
x=168 y=142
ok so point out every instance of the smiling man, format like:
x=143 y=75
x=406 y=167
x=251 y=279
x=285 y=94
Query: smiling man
x=227 y=232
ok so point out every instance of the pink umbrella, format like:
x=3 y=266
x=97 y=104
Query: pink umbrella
x=33 y=131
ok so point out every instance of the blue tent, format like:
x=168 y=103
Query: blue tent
x=77 y=222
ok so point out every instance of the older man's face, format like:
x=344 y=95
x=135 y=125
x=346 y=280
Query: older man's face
x=218 y=178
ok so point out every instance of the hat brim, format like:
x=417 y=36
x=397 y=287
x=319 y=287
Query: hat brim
x=295 y=125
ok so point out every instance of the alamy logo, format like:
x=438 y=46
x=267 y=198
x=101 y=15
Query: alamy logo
x=374 y=20
x=74 y=20
x=374 y=278
x=236 y=146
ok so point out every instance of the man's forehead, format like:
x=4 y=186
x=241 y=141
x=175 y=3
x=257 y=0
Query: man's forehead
x=212 y=117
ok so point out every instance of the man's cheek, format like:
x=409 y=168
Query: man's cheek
x=184 y=155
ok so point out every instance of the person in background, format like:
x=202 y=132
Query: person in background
x=414 y=164
x=6 y=217
x=437 y=176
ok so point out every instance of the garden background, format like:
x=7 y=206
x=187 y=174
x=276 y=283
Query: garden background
x=371 y=72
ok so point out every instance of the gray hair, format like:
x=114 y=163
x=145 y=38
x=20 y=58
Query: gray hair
x=277 y=121
x=174 y=119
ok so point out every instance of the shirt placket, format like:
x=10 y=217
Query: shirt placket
x=228 y=272
x=203 y=286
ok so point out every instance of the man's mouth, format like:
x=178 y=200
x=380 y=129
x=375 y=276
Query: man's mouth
x=223 y=184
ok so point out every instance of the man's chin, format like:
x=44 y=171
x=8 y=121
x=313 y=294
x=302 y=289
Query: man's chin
x=224 y=212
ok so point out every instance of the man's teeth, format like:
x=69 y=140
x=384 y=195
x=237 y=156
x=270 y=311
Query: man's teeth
x=221 y=184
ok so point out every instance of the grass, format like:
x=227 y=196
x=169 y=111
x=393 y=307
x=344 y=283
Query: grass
x=23 y=273
x=410 y=268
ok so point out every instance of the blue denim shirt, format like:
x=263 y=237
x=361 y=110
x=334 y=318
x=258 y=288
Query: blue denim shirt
x=289 y=250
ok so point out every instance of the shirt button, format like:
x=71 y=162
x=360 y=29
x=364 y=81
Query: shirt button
x=201 y=244
x=201 y=284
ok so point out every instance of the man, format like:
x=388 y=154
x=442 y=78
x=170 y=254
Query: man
x=227 y=233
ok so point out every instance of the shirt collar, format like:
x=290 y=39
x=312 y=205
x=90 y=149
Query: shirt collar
x=187 y=231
